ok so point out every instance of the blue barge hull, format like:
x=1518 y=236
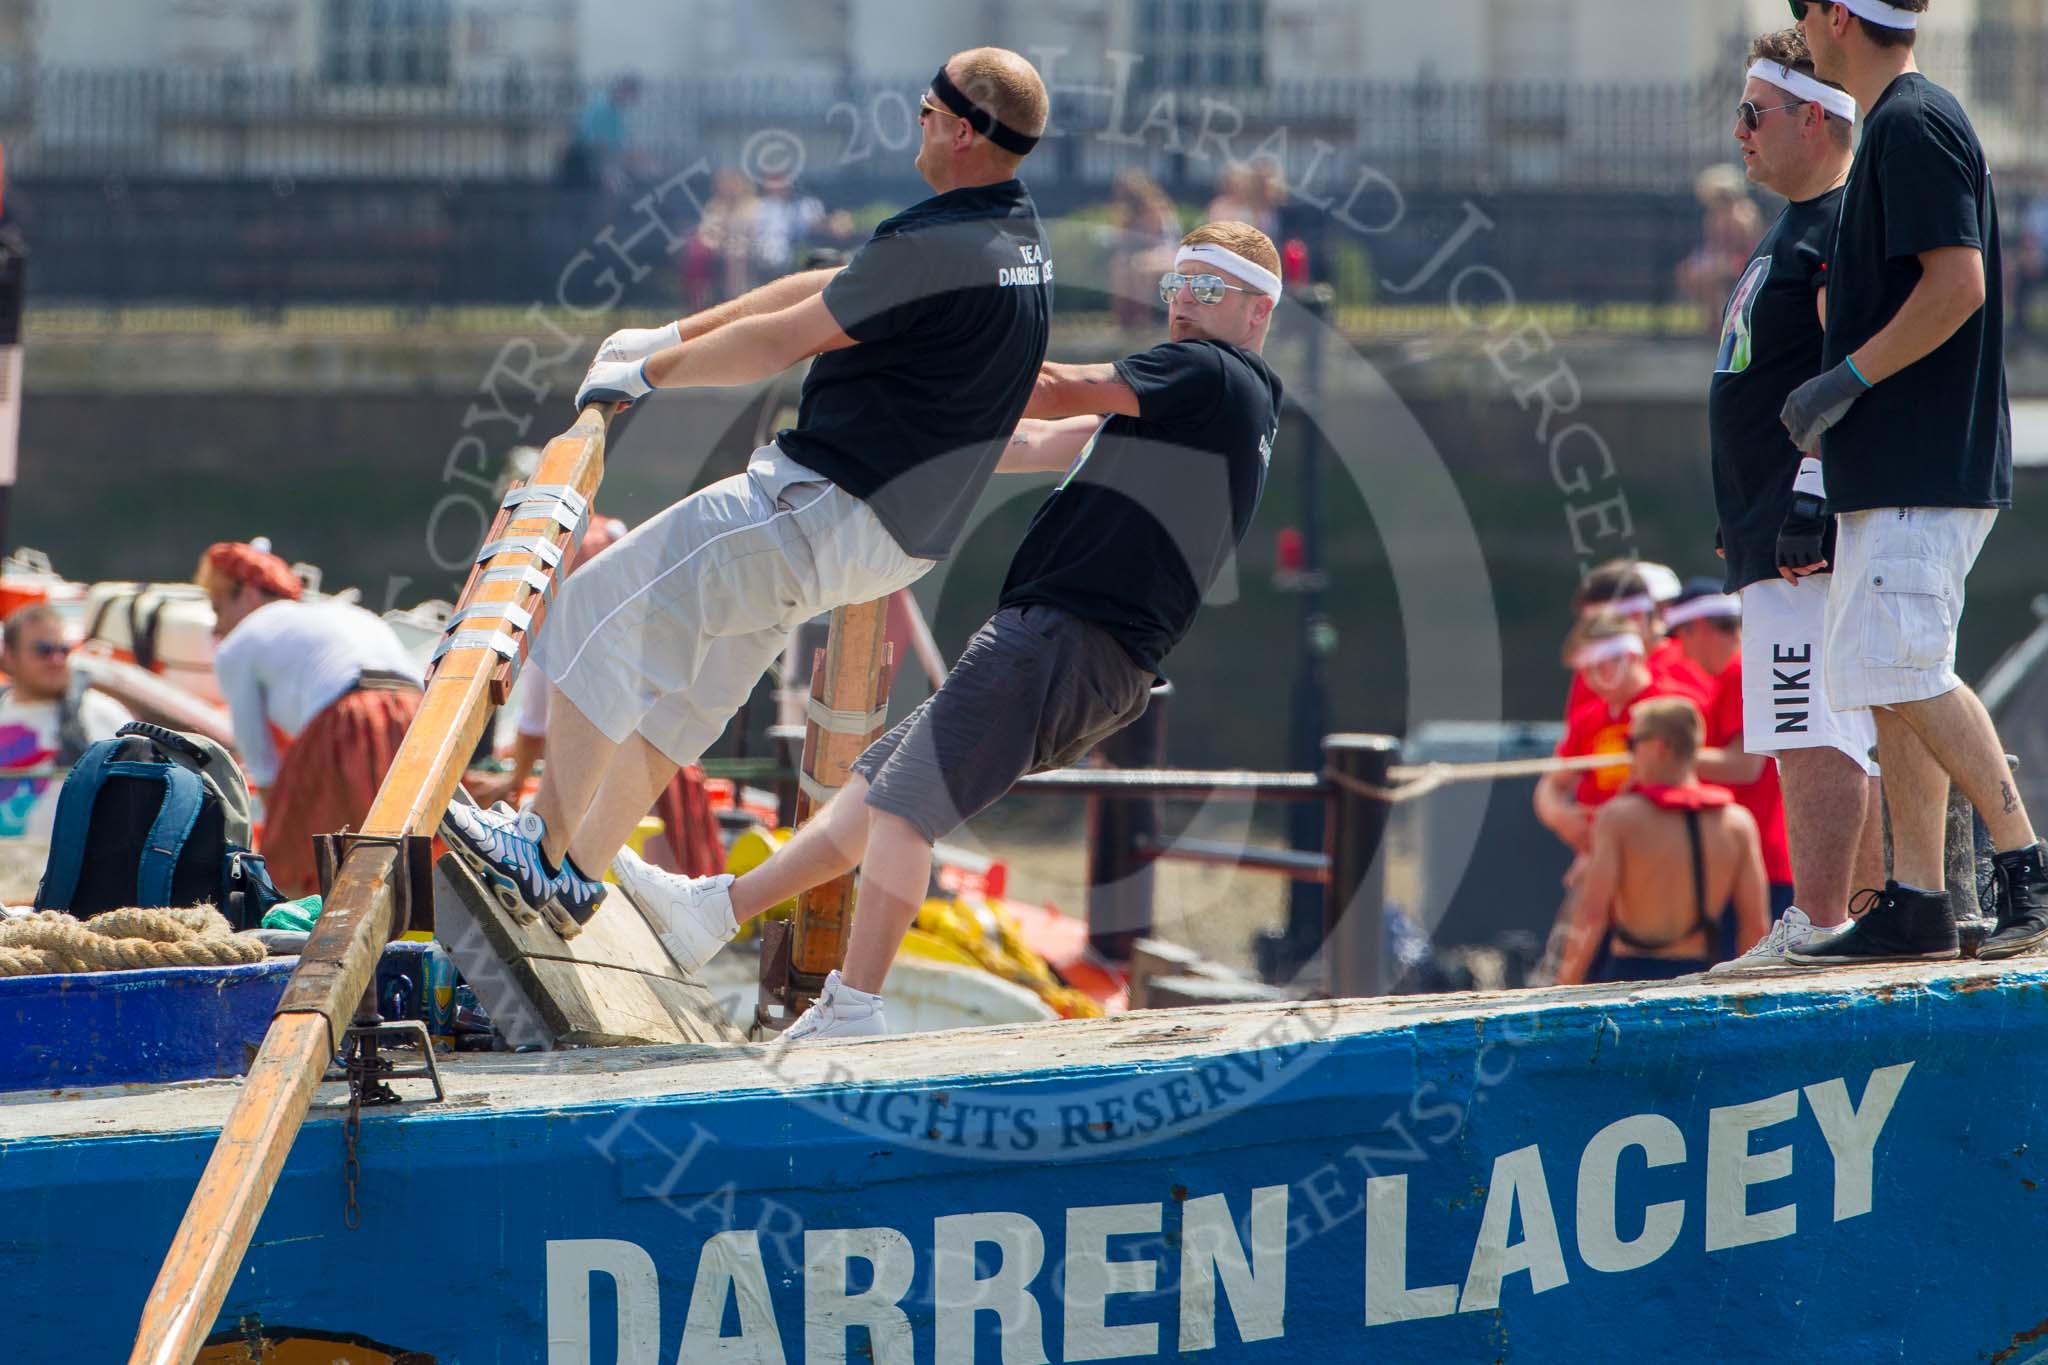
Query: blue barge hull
x=1837 y=1167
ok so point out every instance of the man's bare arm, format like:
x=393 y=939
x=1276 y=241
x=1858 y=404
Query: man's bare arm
x=1593 y=905
x=1752 y=892
x=1078 y=390
x=1559 y=810
x=771 y=297
x=1038 y=447
x=1730 y=764
x=1950 y=291
x=748 y=350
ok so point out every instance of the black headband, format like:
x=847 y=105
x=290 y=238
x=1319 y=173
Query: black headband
x=980 y=119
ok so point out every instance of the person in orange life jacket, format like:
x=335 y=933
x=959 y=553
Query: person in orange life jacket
x=1637 y=590
x=1634 y=917
x=320 y=695
x=1707 y=624
x=1606 y=652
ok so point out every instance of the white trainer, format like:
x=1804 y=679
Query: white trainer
x=841 y=1012
x=1793 y=930
x=692 y=916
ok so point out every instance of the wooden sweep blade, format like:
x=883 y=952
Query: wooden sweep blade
x=353 y=927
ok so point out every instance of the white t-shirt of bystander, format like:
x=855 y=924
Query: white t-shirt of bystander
x=31 y=737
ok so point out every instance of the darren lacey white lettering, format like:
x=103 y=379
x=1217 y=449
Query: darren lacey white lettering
x=1231 y=1249
x=1037 y=268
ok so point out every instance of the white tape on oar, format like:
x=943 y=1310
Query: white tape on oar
x=552 y=492
x=846 y=722
x=816 y=790
x=532 y=575
x=517 y=617
x=549 y=552
x=497 y=641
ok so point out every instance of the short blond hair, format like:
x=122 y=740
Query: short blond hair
x=1246 y=240
x=1006 y=85
x=1675 y=720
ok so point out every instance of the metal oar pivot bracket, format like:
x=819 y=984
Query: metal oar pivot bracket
x=412 y=889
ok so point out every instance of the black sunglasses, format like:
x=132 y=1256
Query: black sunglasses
x=1799 y=8
x=1753 y=117
x=51 y=649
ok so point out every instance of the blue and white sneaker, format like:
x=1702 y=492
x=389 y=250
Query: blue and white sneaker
x=573 y=898
x=502 y=847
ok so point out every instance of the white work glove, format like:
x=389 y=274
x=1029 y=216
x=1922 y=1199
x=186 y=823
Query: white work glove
x=614 y=381
x=638 y=343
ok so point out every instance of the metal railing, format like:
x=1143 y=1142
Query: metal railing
x=172 y=122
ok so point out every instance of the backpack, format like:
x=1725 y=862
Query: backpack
x=155 y=817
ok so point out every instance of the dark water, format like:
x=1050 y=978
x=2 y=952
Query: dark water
x=137 y=487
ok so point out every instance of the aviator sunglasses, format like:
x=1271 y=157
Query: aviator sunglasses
x=1205 y=288
x=1752 y=116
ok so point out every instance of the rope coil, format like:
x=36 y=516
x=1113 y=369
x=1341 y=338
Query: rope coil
x=50 y=942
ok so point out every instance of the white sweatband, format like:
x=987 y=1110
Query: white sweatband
x=1607 y=650
x=1840 y=103
x=1881 y=14
x=1223 y=258
x=1641 y=604
x=1809 y=480
x=1712 y=607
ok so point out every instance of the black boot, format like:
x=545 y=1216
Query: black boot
x=2021 y=881
x=1893 y=925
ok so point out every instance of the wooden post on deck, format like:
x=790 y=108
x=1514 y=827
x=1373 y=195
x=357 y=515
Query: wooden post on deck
x=1120 y=830
x=1354 y=933
x=848 y=707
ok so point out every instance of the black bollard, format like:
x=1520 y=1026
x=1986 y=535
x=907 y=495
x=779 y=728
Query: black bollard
x=1354 y=933
x=1121 y=830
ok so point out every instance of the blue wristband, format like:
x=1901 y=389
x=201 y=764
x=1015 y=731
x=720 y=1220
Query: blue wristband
x=1850 y=361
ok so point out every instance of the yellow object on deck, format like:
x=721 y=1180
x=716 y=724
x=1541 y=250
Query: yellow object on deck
x=650 y=827
x=753 y=847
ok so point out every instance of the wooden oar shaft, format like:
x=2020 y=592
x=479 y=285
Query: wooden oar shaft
x=335 y=969
x=849 y=684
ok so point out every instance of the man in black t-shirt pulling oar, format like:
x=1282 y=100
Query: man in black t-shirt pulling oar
x=1107 y=581
x=1910 y=417
x=925 y=345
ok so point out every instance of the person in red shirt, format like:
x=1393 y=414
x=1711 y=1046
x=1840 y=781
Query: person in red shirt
x=1707 y=624
x=1607 y=654
x=1636 y=591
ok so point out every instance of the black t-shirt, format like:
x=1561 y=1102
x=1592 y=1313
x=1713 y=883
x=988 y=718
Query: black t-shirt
x=1144 y=522
x=950 y=302
x=1770 y=345
x=1939 y=432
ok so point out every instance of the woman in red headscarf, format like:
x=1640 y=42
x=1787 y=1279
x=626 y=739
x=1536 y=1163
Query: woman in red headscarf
x=320 y=693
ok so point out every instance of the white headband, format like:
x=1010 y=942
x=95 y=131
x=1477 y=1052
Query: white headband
x=1607 y=650
x=1713 y=606
x=1223 y=258
x=1640 y=604
x=1836 y=102
x=1881 y=14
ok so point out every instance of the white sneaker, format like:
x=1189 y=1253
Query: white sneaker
x=841 y=1012
x=1793 y=930
x=692 y=916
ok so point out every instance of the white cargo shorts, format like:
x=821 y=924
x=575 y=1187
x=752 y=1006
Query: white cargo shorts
x=1896 y=600
x=667 y=631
